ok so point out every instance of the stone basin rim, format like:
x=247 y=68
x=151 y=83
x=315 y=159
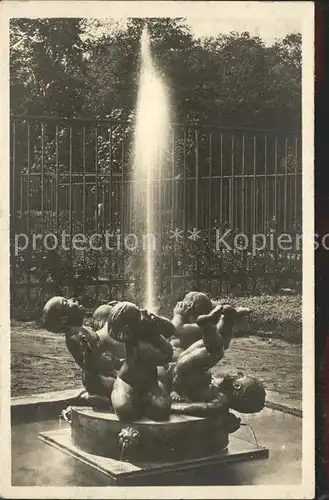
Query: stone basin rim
x=111 y=416
x=274 y=401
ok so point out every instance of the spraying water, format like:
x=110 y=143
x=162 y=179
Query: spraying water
x=151 y=136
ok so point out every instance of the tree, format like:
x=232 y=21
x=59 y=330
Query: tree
x=113 y=63
x=46 y=66
x=60 y=67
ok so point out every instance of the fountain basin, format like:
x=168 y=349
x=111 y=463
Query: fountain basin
x=54 y=460
x=181 y=437
x=182 y=444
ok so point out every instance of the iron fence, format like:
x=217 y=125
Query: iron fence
x=76 y=176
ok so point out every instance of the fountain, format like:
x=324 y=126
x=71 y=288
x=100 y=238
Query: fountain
x=125 y=424
x=152 y=407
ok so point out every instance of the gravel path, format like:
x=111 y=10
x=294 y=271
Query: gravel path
x=40 y=362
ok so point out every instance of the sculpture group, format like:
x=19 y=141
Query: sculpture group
x=139 y=364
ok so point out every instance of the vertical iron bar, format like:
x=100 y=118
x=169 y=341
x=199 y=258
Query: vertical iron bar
x=295 y=196
x=84 y=180
x=285 y=182
x=70 y=204
x=42 y=203
x=84 y=197
x=265 y=207
x=13 y=215
x=70 y=182
x=173 y=198
x=196 y=179
x=21 y=195
x=275 y=179
x=210 y=189
x=197 y=174
x=243 y=184
x=28 y=207
x=232 y=201
x=13 y=195
x=96 y=215
x=57 y=181
x=110 y=181
x=96 y=178
x=42 y=178
x=221 y=208
x=122 y=220
x=265 y=185
x=243 y=196
x=295 y=182
x=28 y=225
x=285 y=197
x=184 y=203
x=210 y=214
x=221 y=180
x=275 y=209
x=158 y=224
x=254 y=188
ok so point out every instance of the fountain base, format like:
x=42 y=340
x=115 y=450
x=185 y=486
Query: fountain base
x=180 y=437
x=182 y=443
x=130 y=473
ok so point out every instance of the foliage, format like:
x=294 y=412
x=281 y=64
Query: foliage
x=46 y=66
x=59 y=67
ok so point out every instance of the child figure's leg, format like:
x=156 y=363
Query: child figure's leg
x=125 y=401
x=157 y=403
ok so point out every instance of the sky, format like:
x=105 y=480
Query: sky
x=268 y=29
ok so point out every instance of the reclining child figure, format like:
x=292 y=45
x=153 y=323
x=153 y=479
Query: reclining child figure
x=119 y=361
x=203 y=332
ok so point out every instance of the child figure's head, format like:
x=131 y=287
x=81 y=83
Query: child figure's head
x=246 y=394
x=194 y=304
x=124 y=322
x=60 y=312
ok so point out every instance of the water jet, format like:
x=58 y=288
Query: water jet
x=150 y=143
